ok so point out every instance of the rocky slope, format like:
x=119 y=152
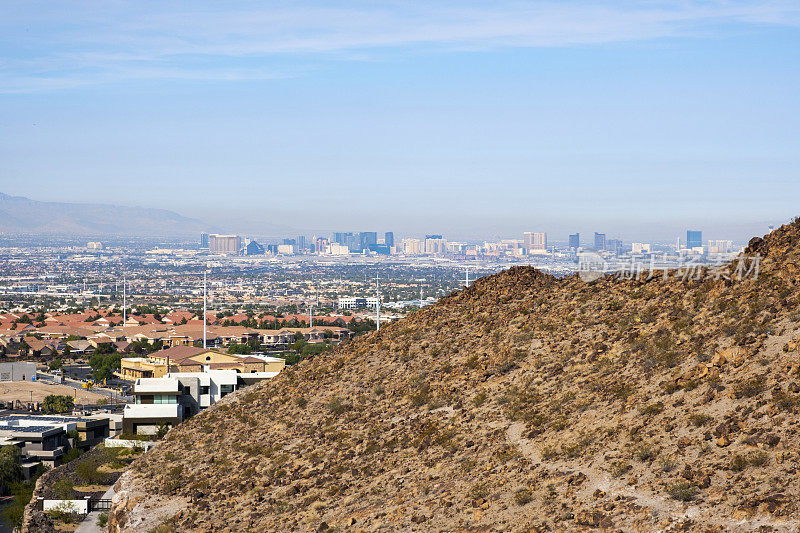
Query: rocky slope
x=522 y=403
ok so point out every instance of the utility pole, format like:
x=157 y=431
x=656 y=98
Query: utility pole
x=466 y=277
x=378 y=303
x=205 y=288
x=311 y=316
x=124 y=300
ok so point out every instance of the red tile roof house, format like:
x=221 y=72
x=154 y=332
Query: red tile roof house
x=39 y=347
x=108 y=321
x=123 y=346
x=176 y=317
x=141 y=320
x=61 y=332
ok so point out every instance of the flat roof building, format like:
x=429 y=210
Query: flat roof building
x=224 y=244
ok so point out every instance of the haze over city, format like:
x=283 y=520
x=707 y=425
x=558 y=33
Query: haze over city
x=478 y=120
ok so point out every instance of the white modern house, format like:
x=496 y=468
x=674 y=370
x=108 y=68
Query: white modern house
x=178 y=395
x=156 y=401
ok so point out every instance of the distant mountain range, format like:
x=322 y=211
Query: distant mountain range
x=19 y=215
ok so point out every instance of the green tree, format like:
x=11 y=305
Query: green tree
x=55 y=364
x=239 y=349
x=104 y=365
x=57 y=404
x=9 y=467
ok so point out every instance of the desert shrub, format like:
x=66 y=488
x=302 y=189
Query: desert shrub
x=88 y=473
x=619 y=468
x=65 y=513
x=652 y=409
x=472 y=361
x=699 y=419
x=670 y=387
x=682 y=491
x=523 y=496
x=749 y=388
x=548 y=452
x=619 y=390
x=645 y=452
x=738 y=463
x=560 y=423
x=337 y=406
x=507 y=453
x=479 y=490
x=690 y=385
x=102 y=519
x=167 y=526
x=301 y=402
x=520 y=404
x=64 y=489
x=785 y=401
x=758 y=458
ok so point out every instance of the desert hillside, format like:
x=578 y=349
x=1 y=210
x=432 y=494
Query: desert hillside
x=523 y=403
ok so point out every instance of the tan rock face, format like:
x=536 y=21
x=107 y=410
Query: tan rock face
x=523 y=403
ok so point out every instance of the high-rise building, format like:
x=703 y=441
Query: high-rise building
x=694 y=239
x=354 y=243
x=368 y=238
x=300 y=242
x=342 y=238
x=337 y=249
x=614 y=245
x=599 y=241
x=388 y=238
x=534 y=241
x=720 y=247
x=204 y=240
x=410 y=246
x=435 y=244
x=322 y=245
x=224 y=244
x=640 y=248
x=575 y=241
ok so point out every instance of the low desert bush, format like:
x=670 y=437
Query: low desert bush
x=682 y=491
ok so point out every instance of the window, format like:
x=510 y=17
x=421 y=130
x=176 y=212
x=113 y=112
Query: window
x=164 y=398
x=225 y=389
x=205 y=389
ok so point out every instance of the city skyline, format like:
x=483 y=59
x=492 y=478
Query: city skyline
x=61 y=223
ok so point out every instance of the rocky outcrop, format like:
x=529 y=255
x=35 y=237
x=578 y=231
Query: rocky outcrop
x=34 y=520
x=524 y=402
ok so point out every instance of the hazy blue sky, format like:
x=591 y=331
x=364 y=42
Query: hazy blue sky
x=457 y=117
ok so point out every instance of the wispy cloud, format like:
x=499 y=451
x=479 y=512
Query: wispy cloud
x=58 y=45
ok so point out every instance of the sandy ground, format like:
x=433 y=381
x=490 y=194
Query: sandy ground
x=21 y=390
